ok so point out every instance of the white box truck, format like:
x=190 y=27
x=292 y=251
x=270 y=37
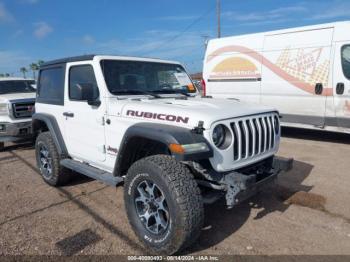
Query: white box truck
x=303 y=72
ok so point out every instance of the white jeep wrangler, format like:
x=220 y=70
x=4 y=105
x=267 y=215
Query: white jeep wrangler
x=17 y=99
x=139 y=122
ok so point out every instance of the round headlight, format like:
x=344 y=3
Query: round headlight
x=219 y=135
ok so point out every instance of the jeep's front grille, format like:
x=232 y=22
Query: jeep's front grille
x=254 y=136
x=23 y=109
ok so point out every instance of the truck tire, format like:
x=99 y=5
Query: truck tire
x=48 y=161
x=163 y=204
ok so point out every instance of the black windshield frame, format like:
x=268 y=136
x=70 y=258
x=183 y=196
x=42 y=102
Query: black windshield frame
x=16 y=86
x=145 y=74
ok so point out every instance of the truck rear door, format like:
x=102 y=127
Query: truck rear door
x=295 y=74
x=341 y=84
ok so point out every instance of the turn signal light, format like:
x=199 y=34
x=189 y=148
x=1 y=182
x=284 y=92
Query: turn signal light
x=190 y=148
x=176 y=148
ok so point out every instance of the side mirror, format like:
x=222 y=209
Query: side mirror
x=86 y=92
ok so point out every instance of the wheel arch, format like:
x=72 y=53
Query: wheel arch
x=44 y=122
x=160 y=136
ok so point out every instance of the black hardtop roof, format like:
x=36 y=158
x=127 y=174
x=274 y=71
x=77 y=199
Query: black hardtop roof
x=86 y=58
x=68 y=59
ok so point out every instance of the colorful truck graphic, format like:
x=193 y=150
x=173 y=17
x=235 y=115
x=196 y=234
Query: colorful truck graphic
x=300 y=67
x=303 y=72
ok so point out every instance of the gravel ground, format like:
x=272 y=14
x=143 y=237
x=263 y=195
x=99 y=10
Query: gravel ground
x=307 y=212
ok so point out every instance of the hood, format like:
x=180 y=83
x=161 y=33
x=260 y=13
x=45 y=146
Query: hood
x=14 y=96
x=187 y=112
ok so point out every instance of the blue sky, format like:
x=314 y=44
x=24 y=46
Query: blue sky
x=47 y=29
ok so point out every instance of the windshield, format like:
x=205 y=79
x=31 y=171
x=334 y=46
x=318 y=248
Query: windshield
x=16 y=86
x=134 y=77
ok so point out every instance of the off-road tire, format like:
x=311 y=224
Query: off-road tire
x=183 y=199
x=59 y=175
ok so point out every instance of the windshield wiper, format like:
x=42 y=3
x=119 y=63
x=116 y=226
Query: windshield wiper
x=136 y=92
x=171 y=92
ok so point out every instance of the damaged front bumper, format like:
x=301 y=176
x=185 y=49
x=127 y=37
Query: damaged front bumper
x=242 y=187
x=237 y=186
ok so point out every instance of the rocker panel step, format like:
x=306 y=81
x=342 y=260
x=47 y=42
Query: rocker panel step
x=92 y=172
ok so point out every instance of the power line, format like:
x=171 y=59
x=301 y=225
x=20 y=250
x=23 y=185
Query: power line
x=182 y=32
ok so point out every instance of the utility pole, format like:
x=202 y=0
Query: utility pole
x=218 y=11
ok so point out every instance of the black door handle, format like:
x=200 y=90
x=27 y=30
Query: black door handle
x=340 y=89
x=318 y=88
x=68 y=114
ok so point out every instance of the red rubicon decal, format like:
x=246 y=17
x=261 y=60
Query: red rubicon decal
x=327 y=91
x=164 y=117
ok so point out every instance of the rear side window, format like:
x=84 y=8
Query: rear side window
x=17 y=86
x=82 y=74
x=345 y=60
x=51 y=86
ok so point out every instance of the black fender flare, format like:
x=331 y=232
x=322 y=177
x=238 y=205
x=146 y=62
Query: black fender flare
x=165 y=134
x=54 y=129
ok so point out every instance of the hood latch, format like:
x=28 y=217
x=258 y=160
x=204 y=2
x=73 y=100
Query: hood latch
x=199 y=128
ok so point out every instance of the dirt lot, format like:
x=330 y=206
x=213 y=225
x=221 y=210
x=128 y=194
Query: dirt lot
x=308 y=212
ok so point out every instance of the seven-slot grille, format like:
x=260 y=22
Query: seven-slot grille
x=23 y=109
x=254 y=135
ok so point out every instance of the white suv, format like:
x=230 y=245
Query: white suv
x=17 y=99
x=138 y=122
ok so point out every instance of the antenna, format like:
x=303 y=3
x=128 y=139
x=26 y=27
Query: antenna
x=218 y=7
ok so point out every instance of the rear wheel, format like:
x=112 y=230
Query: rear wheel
x=48 y=161
x=163 y=203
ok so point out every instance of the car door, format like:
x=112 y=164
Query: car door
x=295 y=75
x=341 y=83
x=84 y=123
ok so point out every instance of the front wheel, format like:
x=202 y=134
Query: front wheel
x=163 y=204
x=2 y=145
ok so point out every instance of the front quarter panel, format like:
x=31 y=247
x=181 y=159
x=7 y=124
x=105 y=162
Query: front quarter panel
x=118 y=139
